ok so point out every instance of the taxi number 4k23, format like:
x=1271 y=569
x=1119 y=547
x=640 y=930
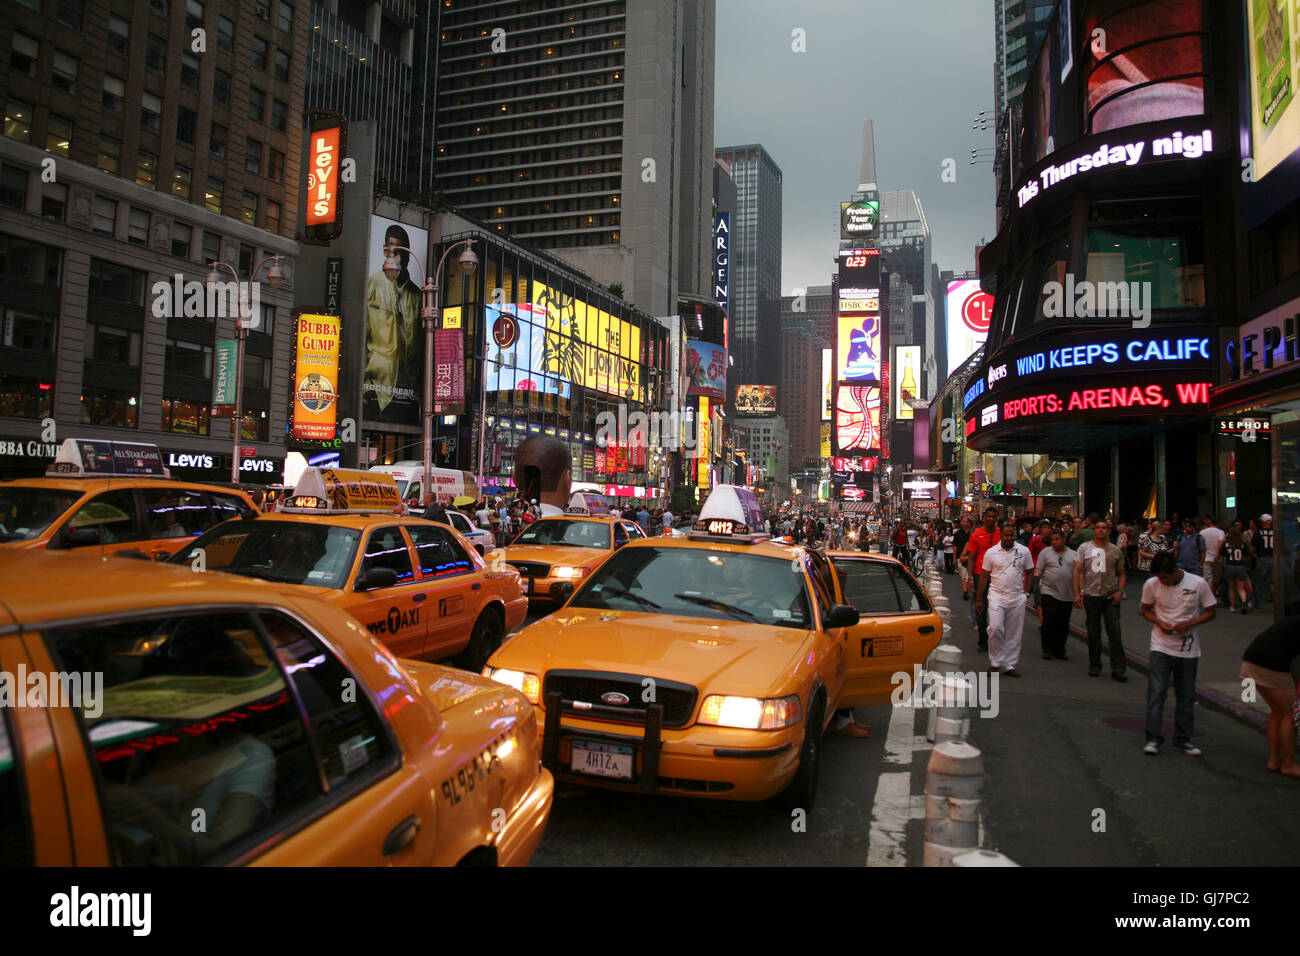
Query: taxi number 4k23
x=396 y=620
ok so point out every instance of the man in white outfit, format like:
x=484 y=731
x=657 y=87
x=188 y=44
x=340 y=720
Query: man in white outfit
x=1005 y=581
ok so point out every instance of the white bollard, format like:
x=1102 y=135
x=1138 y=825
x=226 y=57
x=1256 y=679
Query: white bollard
x=982 y=858
x=952 y=716
x=953 y=785
x=944 y=659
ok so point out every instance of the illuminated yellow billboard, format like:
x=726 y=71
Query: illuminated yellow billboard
x=588 y=346
x=315 y=376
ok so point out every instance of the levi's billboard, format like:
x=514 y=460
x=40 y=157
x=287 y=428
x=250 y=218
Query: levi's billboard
x=323 y=206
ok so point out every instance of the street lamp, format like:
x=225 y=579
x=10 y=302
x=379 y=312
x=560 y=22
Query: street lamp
x=275 y=276
x=428 y=315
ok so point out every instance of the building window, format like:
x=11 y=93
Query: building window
x=221 y=87
x=110 y=153
x=257 y=371
x=151 y=112
x=276 y=171
x=114 y=91
x=190 y=71
x=186 y=418
x=193 y=15
x=159 y=7
x=30 y=261
x=58 y=134
x=137 y=230
x=281 y=65
x=272 y=215
x=54 y=201
x=69 y=14
x=211 y=247
x=101 y=406
x=18 y=121
x=189 y=358
x=155 y=53
x=31 y=331
x=249 y=211
x=26 y=51
x=217 y=140
x=254 y=426
x=146 y=169
x=113 y=346
x=186 y=119
x=181 y=237
x=279 y=115
x=246 y=254
x=115 y=283
x=256 y=104
x=267 y=325
x=64 y=76
x=284 y=19
x=31 y=4
x=181 y=182
x=260 y=49
x=212 y=195
x=253 y=156
x=119 y=35
x=13 y=187
x=24 y=397
x=226 y=34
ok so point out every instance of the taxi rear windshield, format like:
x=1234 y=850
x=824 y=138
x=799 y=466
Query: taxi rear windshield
x=26 y=512
x=576 y=534
x=294 y=552
x=718 y=585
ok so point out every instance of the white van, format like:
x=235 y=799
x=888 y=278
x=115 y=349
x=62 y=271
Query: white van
x=448 y=484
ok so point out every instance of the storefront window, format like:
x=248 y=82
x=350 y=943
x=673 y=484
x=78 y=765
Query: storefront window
x=1125 y=244
x=187 y=418
x=1286 y=435
x=24 y=397
x=101 y=406
x=255 y=425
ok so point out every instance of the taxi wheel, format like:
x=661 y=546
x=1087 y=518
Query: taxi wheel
x=802 y=792
x=489 y=632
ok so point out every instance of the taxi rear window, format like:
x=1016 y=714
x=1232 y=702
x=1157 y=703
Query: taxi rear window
x=25 y=511
x=560 y=531
x=295 y=552
x=702 y=583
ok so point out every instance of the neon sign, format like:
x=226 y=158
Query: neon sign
x=1181 y=395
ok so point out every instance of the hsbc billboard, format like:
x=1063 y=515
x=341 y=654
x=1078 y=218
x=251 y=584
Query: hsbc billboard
x=970 y=311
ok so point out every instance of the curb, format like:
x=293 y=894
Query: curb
x=1207 y=698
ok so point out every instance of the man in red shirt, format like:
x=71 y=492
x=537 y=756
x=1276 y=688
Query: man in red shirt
x=981 y=539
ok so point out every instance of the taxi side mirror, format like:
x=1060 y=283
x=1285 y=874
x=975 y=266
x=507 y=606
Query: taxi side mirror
x=81 y=537
x=561 y=591
x=376 y=578
x=842 y=615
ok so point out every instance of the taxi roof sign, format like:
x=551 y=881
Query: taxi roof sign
x=343 y=491
x=586 y=503
x=731 y=513
x=89 y=458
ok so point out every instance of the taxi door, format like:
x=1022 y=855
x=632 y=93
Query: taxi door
x=834 y=654
x=397 y=615
x=898 y=628
x=454 y=585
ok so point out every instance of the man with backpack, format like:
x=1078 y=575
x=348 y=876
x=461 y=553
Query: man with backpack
x=1190 y=548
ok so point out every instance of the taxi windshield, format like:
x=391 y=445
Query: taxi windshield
x=568 y=532
x=700 y=583
x=25 y=512
x=295 y=552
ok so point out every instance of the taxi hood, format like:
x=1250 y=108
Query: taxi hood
x=554 y=554
x=720 y=655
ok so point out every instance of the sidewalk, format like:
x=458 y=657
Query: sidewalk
x=1218 y=681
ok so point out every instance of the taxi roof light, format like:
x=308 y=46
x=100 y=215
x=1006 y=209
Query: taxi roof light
x=586 y=503
x=338 y=491
x=731 y=513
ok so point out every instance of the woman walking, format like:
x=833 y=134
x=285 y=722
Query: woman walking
x=1267 y=662
x=1236 y=576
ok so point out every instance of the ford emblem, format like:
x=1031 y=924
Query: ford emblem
x=615 y=698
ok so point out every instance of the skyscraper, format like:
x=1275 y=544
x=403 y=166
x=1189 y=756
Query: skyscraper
x=585 y=129
x=755 y=317
x=905 y=243
x=1020 y=27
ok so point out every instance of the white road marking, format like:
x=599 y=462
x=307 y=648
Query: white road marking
x=902 y=735
x=894 y=804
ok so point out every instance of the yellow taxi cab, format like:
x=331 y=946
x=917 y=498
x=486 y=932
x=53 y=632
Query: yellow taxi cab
x=163 y=718
x=565 y=549
x=417 y=585
x=707 y=666
x=113 y=497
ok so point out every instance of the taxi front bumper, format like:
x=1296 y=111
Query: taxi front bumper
x=721 y=763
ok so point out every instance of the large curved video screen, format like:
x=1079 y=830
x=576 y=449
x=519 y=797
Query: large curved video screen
x=1144 y=62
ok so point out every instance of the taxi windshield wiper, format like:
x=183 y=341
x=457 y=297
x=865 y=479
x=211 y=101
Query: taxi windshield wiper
x=617 y=591
x=722 y=606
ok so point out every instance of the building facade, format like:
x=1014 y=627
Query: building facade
x=801 y=395
x=135 y=153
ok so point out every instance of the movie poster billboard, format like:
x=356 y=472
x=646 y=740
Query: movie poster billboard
x=706 y=370
x=392 y=380
x=753 y=401
x=1272 y=31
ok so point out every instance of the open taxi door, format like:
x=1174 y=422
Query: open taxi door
x=898 y=627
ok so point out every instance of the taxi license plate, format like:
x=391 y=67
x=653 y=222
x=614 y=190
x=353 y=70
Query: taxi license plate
x=601 y=760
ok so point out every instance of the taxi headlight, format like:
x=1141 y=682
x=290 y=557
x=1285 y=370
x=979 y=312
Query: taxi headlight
x=563 y=572
x=751 y=713
x=530 y=685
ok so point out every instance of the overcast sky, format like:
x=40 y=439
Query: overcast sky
x=920 y=69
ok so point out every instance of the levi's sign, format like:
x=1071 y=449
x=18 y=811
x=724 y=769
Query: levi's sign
x=1177 y=145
